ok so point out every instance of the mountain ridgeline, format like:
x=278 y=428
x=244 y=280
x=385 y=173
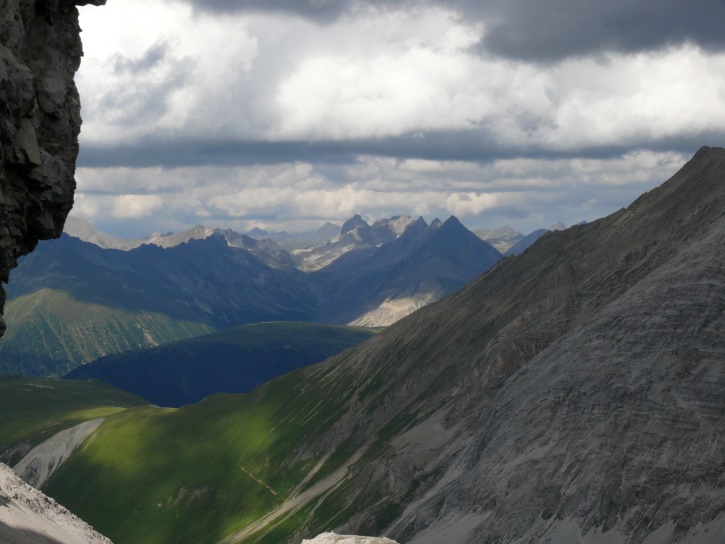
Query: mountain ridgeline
x=379 y=285
x=574 y=393
x=71 y=301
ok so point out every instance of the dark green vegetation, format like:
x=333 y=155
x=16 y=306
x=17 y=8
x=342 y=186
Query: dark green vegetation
x=203 y=472
x=50 y=332
x=555 y=374
x=32 y=410
x=71 y=302
x=232 y=361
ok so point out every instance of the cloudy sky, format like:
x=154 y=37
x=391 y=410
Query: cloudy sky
x=285 y=114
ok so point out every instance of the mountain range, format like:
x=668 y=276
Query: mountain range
x=573 y=393
x=375 y=285
x=72 y=302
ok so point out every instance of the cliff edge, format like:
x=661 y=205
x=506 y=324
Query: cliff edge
x=40 y=51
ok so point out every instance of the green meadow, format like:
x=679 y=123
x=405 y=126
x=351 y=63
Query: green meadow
x=32 y=410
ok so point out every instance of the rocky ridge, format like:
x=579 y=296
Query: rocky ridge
x=571 y=394
x=40 y=51
x=27 y=516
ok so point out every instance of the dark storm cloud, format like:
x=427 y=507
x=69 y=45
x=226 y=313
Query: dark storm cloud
x=541 y=31
x=320 y=10
x=445 y=146
x=546 y=31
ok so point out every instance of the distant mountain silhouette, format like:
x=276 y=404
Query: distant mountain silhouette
x=375 y=285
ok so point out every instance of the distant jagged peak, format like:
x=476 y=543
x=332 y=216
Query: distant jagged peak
x=199 y=232
x=75 y=224
x=354 y=222
x=453 y=224
x=256 y=232
x=84 y=230
x=419 y=225
x=436 y=223
x=329 y=228
x=453 y=231
x=396 y=224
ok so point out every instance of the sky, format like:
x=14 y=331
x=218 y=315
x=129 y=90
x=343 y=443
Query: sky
x=285 y=114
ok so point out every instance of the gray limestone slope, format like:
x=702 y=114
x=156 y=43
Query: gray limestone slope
x=616 y=428
x=27 y=516
x=432 y=389
x=44 y=459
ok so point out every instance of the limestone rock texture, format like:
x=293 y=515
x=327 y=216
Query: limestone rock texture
x=572 y=394
x=40 y=51
x=27 y=516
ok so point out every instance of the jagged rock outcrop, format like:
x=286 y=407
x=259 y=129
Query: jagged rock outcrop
x=27 y=516
x=40 y=51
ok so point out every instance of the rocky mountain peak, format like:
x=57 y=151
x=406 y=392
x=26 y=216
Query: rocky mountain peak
x=39 y=123
x=256 y=232
x=453 y=223
x=354 y=222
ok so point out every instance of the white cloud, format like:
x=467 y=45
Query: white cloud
x=160 y=71
x=464 y=204
x=135 y=206
x=379 y=74
x=196 y=84
x=526 y=193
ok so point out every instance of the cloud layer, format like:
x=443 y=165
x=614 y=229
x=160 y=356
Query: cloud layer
x=250 y=93
x=533 y=30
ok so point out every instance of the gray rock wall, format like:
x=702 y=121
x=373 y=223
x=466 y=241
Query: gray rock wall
x=40 y=51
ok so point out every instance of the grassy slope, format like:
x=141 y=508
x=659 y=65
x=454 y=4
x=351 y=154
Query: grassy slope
x=49 y=333
x=158 y=476
x=32 y=410
x=202 y=472
x=233 y=361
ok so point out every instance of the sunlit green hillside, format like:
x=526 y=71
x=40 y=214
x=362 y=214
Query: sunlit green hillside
x=32 y=410
x=206 y=472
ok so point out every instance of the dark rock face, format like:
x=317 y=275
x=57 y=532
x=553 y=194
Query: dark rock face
x=40 y=51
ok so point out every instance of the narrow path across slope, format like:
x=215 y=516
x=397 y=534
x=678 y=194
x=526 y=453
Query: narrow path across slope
x=294 y=501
